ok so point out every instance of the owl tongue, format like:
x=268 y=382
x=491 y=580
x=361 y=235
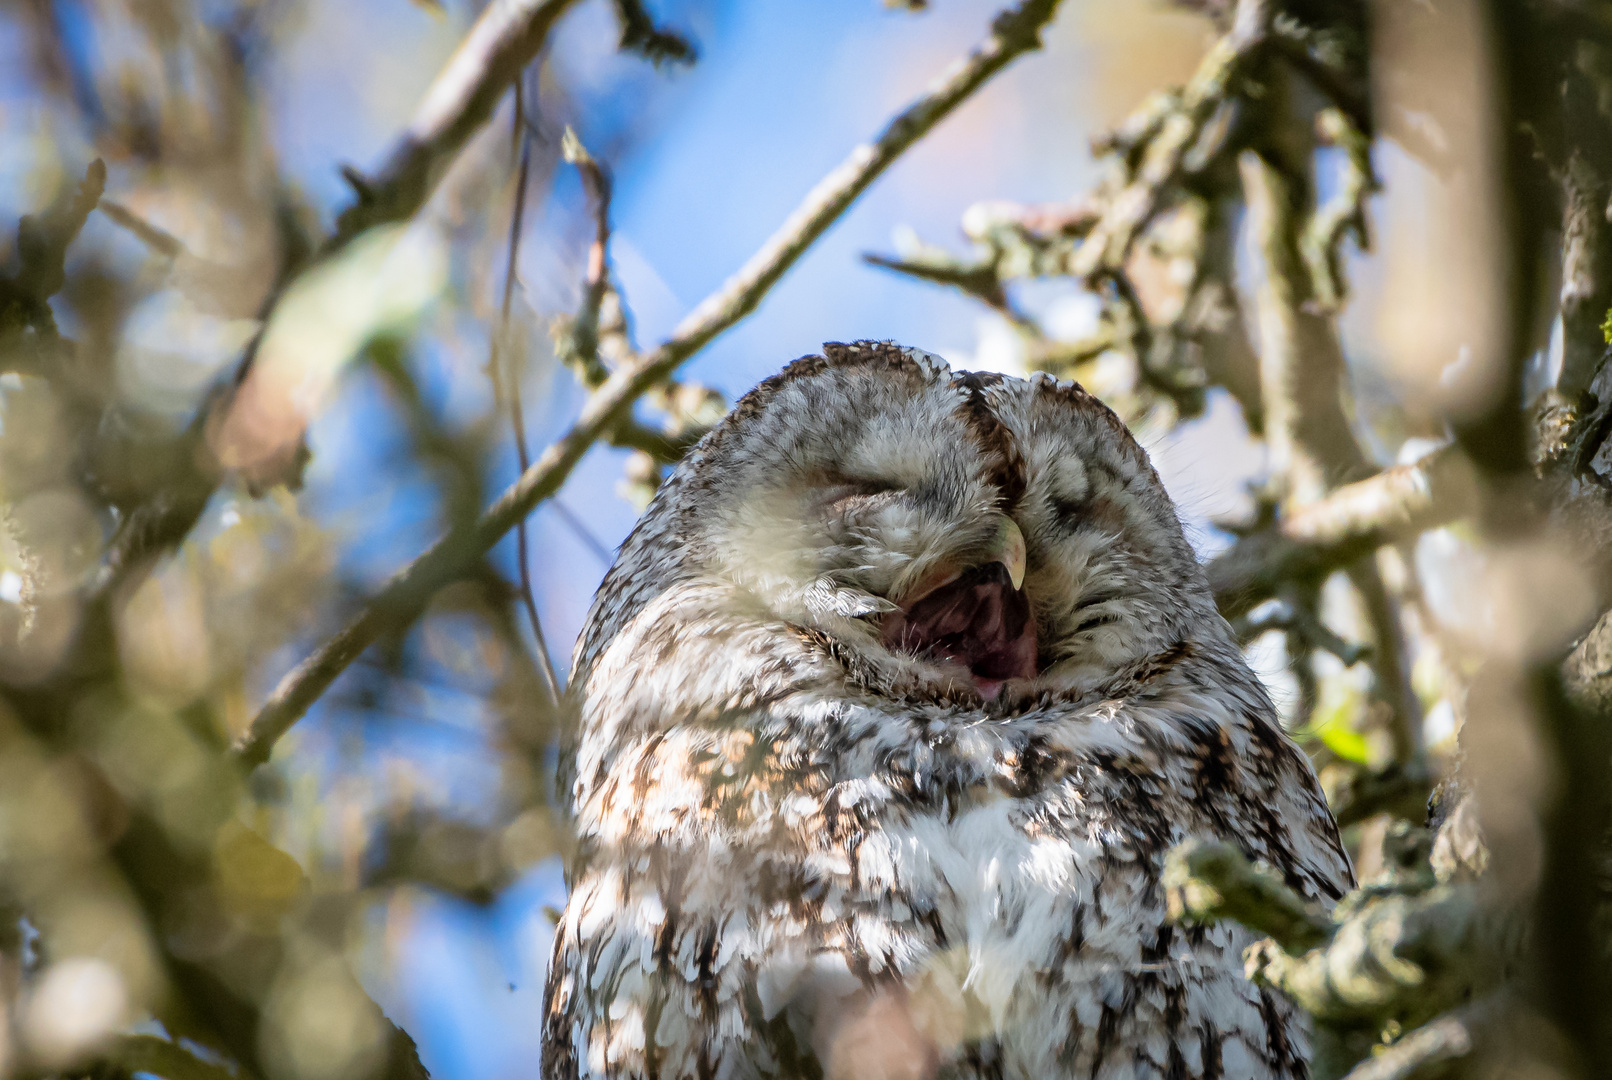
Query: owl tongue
x=979 y=621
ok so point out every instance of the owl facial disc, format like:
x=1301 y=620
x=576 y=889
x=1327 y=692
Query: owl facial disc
x=976 y=618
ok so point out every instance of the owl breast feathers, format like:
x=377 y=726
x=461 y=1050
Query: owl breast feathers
x=885 y=718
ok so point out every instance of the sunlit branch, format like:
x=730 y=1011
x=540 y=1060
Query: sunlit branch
x=1347 y=524
x=506 y=37
x=1015 y=31
x=579 y=345
x=1171 y=138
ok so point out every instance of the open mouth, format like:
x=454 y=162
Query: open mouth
x=978 y=621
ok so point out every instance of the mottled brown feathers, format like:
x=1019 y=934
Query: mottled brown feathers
x=804 y=854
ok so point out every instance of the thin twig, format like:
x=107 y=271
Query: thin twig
x=545 y=663
x=1300 y=620
x=1015 y=31
x=160 y=240
x=583 y=533
x=580 y=343
x=1391 y=660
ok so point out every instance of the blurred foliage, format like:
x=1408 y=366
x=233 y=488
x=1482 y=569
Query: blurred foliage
x=173 y=316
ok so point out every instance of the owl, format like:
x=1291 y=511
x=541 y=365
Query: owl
x=885 y=719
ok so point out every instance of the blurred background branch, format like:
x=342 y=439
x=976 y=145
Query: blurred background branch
x=251 y=411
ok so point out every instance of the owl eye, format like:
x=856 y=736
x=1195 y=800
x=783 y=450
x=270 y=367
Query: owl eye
x=845 y=495
x=1064 y=508
x=1068 y=488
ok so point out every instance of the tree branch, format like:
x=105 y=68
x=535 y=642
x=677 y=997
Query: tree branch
x=1205 y=882
x=1168 y=143
x=1444 y=1039
x=506 y=37
x=42 y=242
x=1335 y=531
x=1015 y=31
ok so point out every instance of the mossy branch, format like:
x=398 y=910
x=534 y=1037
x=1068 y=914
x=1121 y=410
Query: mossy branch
x=1207 y=881
x=1401 y=950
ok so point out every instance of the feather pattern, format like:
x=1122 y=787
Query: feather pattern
x=801 y=854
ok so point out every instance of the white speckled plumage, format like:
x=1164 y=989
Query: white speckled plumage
x=804 y=854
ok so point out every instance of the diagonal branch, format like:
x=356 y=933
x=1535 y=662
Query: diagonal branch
x=1015 y=31
x=1340 y=528
x=506 y=37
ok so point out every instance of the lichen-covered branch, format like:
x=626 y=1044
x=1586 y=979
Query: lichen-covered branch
x=1207 y=881
x=1392 y=956
x=1170 y=136
x=1014 y=32
x=1339 y=529
x=1398 y=951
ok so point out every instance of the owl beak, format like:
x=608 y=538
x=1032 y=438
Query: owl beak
x=1009 y=550
x=976 y=617
x=1007 y=547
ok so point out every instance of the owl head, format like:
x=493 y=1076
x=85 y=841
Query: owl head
x=958 y=535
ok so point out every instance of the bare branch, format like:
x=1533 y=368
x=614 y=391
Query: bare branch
x=1015 y=31
x=1398 y=789
x=578 y=343
x=1170 y=135
x=1343 y=216
x=506 y=37
x=1351 y=522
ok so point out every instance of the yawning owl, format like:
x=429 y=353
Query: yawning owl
x=885 y=719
